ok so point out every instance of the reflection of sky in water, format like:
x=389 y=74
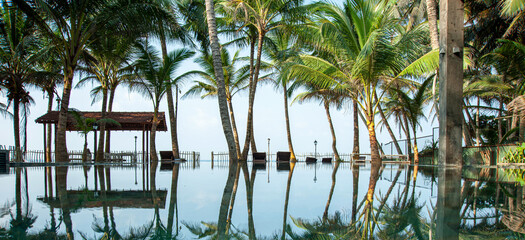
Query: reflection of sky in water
x=200 y=192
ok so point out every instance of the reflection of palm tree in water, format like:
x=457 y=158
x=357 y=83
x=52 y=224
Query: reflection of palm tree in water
x=286 y=199
x=332 y=188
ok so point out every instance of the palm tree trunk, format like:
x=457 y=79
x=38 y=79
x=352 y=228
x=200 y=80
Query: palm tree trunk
x=432 y=23
x=234 y=127
x=356 y=130
x=416 y=153
x=100 y=150
x=219 y=74
x=500 y=120
x=153 y=133
x=409 y=139
x=387 y=125
x=16 y=128
x=251 y=98
x=171 y=106
x=287 y=120
x=110 y=109
x=332 y=188
x=332 y=131
x=60 y=146
x=49 y=129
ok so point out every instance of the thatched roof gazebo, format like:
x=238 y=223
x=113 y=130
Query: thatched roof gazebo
x=128 y=121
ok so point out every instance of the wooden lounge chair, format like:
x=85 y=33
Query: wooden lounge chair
x=259 y=157
x=283 y=156
x=166 y=155
x=326 y=160
x=310 y=160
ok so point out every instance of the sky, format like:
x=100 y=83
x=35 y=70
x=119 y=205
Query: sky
x=199 y=125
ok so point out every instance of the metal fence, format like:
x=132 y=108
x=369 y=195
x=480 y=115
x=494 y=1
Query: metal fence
x=218 y=157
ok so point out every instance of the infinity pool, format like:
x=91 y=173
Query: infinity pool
x=309 y=201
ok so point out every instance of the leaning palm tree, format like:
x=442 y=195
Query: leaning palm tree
x=72 y=26
x=20 y=49
x=155 y=74
x=327 y=98
x=235 y=80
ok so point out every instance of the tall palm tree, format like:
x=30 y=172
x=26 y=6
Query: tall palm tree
x=281 y=48
x=155 y=74
x=234 y=79
x=221 y=94
x=72 y=26
x=20 y=49
x=261 y=17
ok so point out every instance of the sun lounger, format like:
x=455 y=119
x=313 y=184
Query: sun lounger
x=283 y=156
x=310 y=160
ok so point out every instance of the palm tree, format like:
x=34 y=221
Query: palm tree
x=281 y=48
x=234 y=79
x=327 y=98
x=108 y=67
x=73 y=25
x=219 y=75
x=19 y=54
x=413 y=107
x=360 y=54
x=155 y=74
x=261 y=17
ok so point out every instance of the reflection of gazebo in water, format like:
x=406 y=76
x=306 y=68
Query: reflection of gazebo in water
x=129 y=121
x=115 y=198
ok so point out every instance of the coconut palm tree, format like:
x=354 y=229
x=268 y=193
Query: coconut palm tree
x=72 y=26
x=261 y=17
x=413 y=107
x=109 y=66
x=281 y=48
x=154 y=74
x=235 y=80
x=20 y=49
x=359 y=47
x=221 y=94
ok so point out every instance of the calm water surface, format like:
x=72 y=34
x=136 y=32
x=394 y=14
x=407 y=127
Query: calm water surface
x=310 y=201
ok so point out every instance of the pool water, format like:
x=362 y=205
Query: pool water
x=270 y=201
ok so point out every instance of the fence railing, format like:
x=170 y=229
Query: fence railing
x=39 y=156
x=345 y=157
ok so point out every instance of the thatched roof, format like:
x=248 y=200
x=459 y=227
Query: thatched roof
x=129 y=121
